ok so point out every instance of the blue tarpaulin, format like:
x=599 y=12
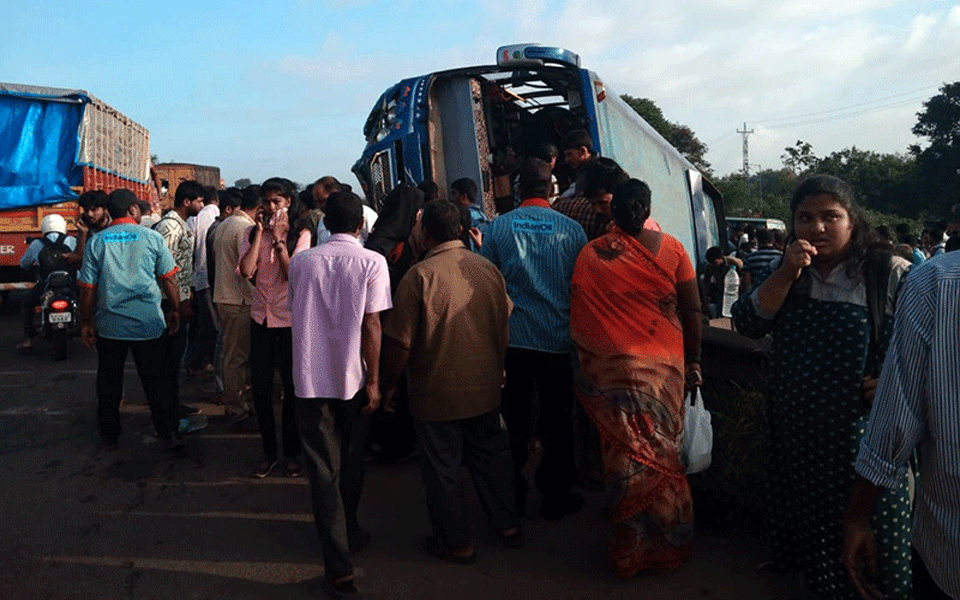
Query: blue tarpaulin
x=39 y=137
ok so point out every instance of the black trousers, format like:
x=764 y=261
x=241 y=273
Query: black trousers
x=148 y=355
x=551 y=375
x=273 y=348
x=203 y=337
x=176 y=346
x=334 y=435
x=482 y=444
x=924 y=587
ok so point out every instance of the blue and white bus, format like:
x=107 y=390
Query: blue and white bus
x=479 y=122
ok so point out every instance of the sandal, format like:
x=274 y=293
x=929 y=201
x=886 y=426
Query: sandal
x=513 y=540
x=433 y=547
x=292 y=468
x=265 y=468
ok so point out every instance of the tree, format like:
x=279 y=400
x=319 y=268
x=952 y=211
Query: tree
x=799 y=159
x=679 y=136
x=938 y=165
x=243 y=183
x=882 y=182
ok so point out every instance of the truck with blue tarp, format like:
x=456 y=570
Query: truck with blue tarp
x=56 y=143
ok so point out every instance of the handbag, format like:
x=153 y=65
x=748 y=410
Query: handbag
x=697 y=435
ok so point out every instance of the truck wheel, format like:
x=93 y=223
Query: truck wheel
x=59 y=344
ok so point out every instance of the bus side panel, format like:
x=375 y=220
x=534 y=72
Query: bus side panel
x=644 y=155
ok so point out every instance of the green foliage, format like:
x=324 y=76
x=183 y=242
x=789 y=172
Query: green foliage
x=938 y=165
x=243 y=183
x=679 y=136
x=800 y=158
x=739 y=460
x=764 y=194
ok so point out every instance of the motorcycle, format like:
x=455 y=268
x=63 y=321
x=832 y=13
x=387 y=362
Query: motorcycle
x=57 y=317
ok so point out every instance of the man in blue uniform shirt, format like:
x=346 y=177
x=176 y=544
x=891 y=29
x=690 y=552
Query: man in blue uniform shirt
x=535 y=247
x=124 y=268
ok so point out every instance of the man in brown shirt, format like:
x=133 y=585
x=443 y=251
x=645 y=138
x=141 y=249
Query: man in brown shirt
x=450 y=325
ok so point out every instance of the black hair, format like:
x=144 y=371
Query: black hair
x=230 y=197
x=631 y=205
x=93 y=199
x=250 y=197
x=545 y=151
x=441 y=220
x=467 y=187
x=764 y=237
x=277 y=185
x=343 y=212
x=860 y=238
x=326 y=185
x=210 y=195
x=713 y=253
x=430 y=190
x=187 y=191
x=602 y=176
x=577 y=138
x=534 y=179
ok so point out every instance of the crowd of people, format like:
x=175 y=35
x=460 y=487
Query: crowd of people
x=475 y=340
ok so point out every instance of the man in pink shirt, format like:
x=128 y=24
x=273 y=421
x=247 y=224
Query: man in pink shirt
x=337 y=292
x=264 y=260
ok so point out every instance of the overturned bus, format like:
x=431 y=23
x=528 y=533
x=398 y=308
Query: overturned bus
x=480 y=122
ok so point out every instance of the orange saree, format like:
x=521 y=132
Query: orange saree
x=623 y=320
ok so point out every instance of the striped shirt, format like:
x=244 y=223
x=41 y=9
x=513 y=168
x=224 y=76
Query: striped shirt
x=535 y=248
x=761 y=263
x=918 y=405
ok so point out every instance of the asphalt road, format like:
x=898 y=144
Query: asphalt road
x=139 y=523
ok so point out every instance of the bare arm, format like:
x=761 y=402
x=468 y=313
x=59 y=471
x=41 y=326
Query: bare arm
x=370 y=339
x=248 y=262
x=395 y=360
x=688 y=306
x=170 y=287
x=859 y=543
x=88 y=301
x=772 y=293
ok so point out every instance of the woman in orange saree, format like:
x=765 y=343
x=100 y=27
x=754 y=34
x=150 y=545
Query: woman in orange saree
x=635 y=320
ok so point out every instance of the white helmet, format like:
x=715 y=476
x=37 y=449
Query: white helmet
x=53 y=224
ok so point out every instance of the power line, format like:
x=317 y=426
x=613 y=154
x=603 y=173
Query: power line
x=843 y=108
x=857 y=113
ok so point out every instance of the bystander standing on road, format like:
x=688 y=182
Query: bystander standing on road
x=535 y=247
x=232 y=295
x=338 y=290
x=179 y=239
x=124 y=269
x=450 y=326
x=265 y=261
x=204 y=338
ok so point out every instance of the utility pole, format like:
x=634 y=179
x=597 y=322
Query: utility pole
x=746 y=154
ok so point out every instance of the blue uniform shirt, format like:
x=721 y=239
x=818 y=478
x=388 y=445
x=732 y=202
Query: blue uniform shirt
x=124 y=262
x=536 y=247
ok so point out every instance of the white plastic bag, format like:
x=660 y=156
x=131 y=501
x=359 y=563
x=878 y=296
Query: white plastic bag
x=697 y=435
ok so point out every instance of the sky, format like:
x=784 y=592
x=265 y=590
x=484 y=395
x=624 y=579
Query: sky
x=283 y=88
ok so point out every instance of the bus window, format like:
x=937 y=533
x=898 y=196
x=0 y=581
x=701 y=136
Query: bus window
x=645 y=155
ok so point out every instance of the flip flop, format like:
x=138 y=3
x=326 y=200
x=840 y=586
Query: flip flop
x=434 y=547
x=511 y=541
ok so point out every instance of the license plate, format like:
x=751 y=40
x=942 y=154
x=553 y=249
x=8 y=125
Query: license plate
x=63 y=317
